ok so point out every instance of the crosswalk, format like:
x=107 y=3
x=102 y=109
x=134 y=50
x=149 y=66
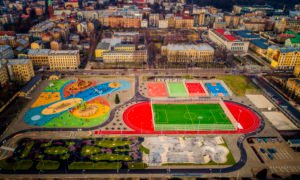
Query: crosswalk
x=285 y=169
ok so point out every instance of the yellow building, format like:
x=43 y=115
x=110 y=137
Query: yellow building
x=39 y=57
x=297 y=71
x=36 y=45
x=20 y=69
x=293 y=85
x=137 y=56
x=64 y=60
x=187 y=53
x=124 y=47
x=73 y=4
x=101 y=48
x=3 y=75
x=283 y=58
x=184 y=22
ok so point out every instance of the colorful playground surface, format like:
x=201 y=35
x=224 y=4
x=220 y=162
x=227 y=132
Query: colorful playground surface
x=139 y=117
x=195 y=89
x=157 y=89
x=216 y=89
x=71 y=103
x=176 y=89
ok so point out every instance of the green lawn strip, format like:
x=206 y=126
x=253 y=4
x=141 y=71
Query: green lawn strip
x=65 y=156
x=27 y=149
x=56 y=150
x=112 y=143
x=110 y=157
x=144 y=149
x=239 y=85
x=57 y=85
x=18 y=165
x=96 y=165
x=137 y=165
x=47 y=165
x=68 y=120
x=89 y=150
x=47 y=144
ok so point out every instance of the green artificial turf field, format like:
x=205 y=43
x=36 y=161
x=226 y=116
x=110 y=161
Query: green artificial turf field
x=190 y=117
x=177 y=89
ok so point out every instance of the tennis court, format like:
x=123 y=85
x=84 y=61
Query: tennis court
x=190 y=117
x=176 y=89
x=157 y=89
x=216 y=89
x=195 y=89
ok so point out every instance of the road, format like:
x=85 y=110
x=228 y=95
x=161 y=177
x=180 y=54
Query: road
x=281 y=102
x=176 y=172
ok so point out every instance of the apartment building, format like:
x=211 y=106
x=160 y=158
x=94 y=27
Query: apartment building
x=188 y=53
x=64 y=60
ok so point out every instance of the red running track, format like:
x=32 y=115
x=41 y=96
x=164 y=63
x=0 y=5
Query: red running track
x=139 y=118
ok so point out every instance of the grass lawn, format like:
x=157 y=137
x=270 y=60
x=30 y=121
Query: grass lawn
x=239 y=85
x=18 y=165
x=27 y=149
x=137 y=165
x=47 y=165
x=56 y=150
x=89 y=150
x=190 y=117
x=110 y=157
x=176 y=89
x=112 y=143
x=57 y=85
x=144 y=149
x=92 y=165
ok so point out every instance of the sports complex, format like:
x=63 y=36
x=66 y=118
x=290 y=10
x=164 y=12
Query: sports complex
x=87 y=112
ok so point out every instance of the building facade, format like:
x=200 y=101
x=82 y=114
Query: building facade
x=39 y=57
x=138 y=56
x=283 y=58
x=186 y=53
x=3 y=75
x=20 y=70
x=64 y=60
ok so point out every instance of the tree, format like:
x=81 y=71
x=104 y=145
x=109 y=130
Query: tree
x=117 y=99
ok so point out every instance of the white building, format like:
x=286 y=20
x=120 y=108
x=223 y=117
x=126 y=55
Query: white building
x=226 y=39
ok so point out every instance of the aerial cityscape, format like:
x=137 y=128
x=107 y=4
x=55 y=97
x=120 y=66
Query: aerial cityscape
x=144 y=89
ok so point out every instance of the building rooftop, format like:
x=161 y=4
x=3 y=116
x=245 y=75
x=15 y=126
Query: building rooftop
x=31 y=83
x=17 y=61
x=103 y=45
x=226 y=34
x=285 y=49
x=126 y=33
x=112 y=41
x=4 y=47
x=184 y=47
x=124 y=45
x=261 y=43
x=38 y=51
x=246 y=34
x=63 y=52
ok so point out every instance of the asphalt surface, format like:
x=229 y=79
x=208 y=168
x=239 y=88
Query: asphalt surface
x=175 y=172
x=281 y=102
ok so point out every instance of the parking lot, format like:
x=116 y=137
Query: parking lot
x=276 y=154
